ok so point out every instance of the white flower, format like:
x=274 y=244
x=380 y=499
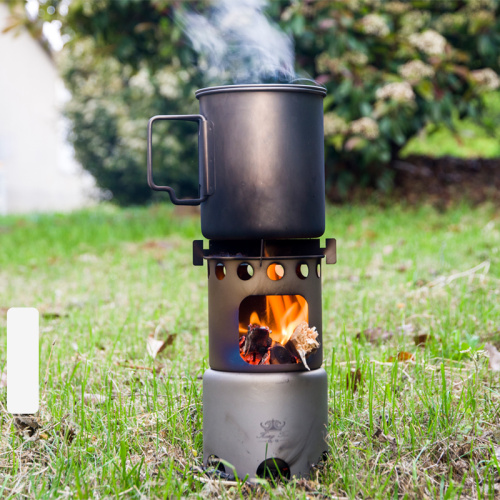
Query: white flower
x=334 y=124
x=183 y=75
x=396 y=7
x=142 y=82
x=352 y=4
x=430 y=42
x=481 y=4
x=398 y=91
x=414 y=71
x=325 y=64
x=373 y=24
x=482 y=18
x=168 y=84
x=366 y=127
x=132 y=128
x=355 y=58
x=414 y=21
x=486 y=78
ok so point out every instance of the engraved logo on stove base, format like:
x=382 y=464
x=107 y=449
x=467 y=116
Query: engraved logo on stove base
x=272 y=431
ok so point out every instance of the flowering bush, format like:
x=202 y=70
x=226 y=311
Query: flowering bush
x=109 y=111
x=391 y=68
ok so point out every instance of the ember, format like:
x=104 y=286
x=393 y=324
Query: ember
x=256 y=344
x=258 y=348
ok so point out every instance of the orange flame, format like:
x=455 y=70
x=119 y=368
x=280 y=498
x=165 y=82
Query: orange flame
x=254 y=319
x=283 y=314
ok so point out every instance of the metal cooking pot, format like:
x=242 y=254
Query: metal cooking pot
x=261 y=161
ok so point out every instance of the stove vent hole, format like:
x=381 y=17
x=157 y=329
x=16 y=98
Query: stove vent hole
x=302 y=270
x=275 y=271
x=273 y=468
x=245 y=271
x=213 y=461
x=220 y=271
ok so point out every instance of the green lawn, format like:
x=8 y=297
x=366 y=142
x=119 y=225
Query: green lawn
x=469 y=140
x=117 y=424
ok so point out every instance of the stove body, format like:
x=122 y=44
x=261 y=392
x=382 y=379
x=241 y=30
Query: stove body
x=262 y=204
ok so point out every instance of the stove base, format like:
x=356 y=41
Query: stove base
x=251 y=420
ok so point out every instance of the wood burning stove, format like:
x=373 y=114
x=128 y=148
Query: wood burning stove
x=265 y=401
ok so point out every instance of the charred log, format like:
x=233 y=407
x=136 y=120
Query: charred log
x=257 y=340
x=278 y=355
x=290 y=347
x=266 y=359
x=255 y=344
x=243 y=338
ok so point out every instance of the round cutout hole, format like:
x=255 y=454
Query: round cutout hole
x=220 y=271
x=245 y=271
x=275 y=271
x=318 y=270
x=274 y=468
x=302 y=270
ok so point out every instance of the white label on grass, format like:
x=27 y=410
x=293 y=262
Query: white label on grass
x=22 y=360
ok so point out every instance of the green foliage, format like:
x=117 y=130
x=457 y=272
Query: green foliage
x=391 y=68
x=119 y=77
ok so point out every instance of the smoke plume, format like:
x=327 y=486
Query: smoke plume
x=237 y=43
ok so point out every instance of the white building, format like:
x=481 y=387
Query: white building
x=37 y=171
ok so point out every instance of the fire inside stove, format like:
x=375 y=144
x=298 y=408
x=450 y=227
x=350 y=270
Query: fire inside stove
x=274 y=329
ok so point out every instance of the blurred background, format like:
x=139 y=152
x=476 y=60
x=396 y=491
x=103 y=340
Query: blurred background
x=411 y=112
x=411 y=122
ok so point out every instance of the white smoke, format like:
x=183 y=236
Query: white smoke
x=237 y=43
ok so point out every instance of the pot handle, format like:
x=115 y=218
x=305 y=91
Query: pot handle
x=206 y=188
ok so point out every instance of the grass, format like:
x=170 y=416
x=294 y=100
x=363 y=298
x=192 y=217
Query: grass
x=117 y=424
x=468 y=141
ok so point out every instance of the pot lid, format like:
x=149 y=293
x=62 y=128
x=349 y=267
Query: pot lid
x=273 y=87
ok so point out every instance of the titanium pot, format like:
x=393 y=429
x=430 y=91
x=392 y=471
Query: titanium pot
x=261 y=161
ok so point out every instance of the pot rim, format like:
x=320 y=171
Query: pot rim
x=275 y=87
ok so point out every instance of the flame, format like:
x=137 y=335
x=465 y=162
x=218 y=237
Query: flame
x=283 y=314
x=254 y=318
x=275 y=272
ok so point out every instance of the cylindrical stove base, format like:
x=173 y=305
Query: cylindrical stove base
x=251 y=418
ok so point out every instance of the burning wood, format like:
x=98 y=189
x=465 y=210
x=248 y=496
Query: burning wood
x=304 y=341
x=256 y=344
x=258 y=348
x=279 y=355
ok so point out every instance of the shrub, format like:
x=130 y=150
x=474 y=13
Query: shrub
x=390 y=68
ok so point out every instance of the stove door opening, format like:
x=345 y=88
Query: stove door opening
x=275 y=330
